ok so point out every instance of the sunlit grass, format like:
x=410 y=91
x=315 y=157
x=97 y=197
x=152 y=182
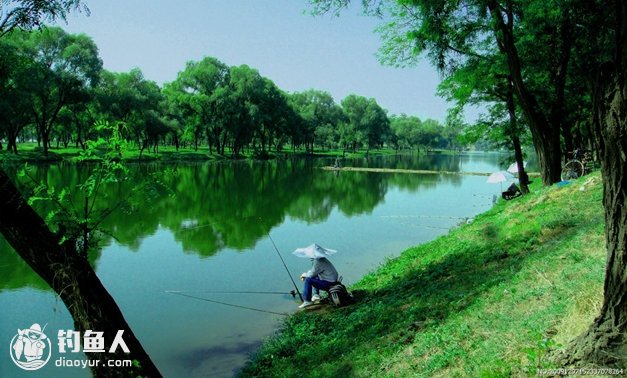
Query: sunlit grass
x=488 y=299
x=30 y=151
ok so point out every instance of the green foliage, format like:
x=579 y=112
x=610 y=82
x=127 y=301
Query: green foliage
x=77 y=212
x=56 y=90
x=28 y=14
x=491 y=298
x=537 y=355
x=367 y=120
x=52 y=69
x=411 y=133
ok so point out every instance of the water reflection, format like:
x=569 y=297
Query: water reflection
x=171 y=242
x=213 y=206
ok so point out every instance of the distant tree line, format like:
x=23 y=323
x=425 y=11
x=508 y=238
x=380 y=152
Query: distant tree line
x=57 y=89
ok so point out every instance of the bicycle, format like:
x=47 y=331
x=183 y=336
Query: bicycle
x=576 y=167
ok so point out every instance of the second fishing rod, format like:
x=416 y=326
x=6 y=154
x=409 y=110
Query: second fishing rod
x=285 y=266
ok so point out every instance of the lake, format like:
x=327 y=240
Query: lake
x=213 y=231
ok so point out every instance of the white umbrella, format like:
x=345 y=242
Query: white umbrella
x=313 y=251
x=513 y=168
x=499 y=177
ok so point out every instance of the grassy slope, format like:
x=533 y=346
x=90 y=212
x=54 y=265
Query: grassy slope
x=29 y=152
x=488 y=299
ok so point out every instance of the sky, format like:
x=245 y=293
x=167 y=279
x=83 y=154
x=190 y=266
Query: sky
x=277 y=37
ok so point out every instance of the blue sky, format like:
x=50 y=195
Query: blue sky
x=294 y=49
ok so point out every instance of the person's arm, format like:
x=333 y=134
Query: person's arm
x=314 y=271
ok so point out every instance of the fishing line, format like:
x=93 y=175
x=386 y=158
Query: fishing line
x=422 y=216
x=286 y=269
x=400 y=217
x=292 y=293
x=424 y=225
x=225 y=304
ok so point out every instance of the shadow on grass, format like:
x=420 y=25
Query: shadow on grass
x=412 y=300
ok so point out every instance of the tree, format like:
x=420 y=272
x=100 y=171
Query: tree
x=605 y=45
x=601 y=37
x=449 y=32
x=485 y=80
x=317 y=109
x=199 y=86
x=67 y=272
x=252 y=108
x=367 y=120
x=138 y=103
x=179 y=108
x=29 y=14
x=406 y=128
x=65 y=67
x=15 y=104
x=61 y=258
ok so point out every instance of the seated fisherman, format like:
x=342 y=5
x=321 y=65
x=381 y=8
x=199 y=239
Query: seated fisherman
x=321 y=276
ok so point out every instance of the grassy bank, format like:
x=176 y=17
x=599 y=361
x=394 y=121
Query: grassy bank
x=488 y=299
x=30 y=152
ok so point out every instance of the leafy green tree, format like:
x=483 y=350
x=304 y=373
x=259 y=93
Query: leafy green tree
x=485 y=80
x=15 y=101
x=603 y=44
x=294 y=118
x=59 y=264
x=29 y=14
x=138 y=103
x=275 y=112
x=317 y=109
x=179 y=109
x=253 y=108
x=65 y=67
x=199 y=86
x=367 y=121
x=450 y=31
x=406 y=129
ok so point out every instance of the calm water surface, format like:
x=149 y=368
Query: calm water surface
x=212 y=234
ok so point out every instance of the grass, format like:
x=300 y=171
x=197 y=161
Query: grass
x=487 y=300
x=30 y=152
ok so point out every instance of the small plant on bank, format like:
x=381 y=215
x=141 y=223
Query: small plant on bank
x=77 y=215
x=537 y=355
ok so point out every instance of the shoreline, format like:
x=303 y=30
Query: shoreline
x=478 y=300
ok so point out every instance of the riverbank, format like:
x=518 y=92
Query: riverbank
x=414 y=171
x=488 y=299
x=31 y=153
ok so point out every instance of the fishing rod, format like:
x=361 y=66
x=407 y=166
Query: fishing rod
x=275 y=248
x=224 y=303
x=286 y=269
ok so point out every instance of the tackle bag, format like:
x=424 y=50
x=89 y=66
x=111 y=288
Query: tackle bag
x=340 y=295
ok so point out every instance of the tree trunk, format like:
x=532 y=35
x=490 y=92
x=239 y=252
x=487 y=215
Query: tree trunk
x=69 y=274
x=558 y=77
x=546 y=137
x=523 y=179
x=12 y=146
x=45 y=139
x=605 y=342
